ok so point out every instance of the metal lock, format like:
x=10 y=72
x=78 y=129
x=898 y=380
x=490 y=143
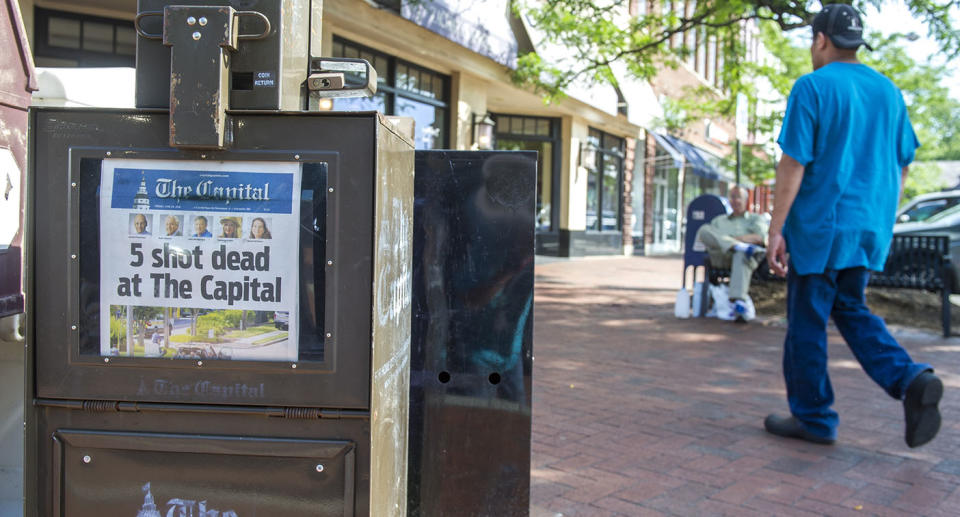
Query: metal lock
x=325 y=81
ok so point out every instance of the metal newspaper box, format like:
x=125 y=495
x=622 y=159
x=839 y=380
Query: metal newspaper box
x=471 y=355
x=16 y=84
x=219 y=305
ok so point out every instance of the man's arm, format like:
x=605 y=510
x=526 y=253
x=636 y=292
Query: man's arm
x=758 y=231
x=750 y=238
x=789 y=177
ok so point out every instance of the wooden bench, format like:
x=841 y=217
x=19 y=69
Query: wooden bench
x=915 y=262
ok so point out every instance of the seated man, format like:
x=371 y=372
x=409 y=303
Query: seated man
x=736 y=242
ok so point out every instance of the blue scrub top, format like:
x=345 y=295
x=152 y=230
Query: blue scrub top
x=848 y=125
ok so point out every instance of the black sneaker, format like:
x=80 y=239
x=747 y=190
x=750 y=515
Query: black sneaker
x=920 y=409
x=790 y=427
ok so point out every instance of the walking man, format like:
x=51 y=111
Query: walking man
x=847 y=143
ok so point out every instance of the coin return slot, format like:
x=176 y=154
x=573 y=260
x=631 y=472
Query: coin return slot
x=242 y=81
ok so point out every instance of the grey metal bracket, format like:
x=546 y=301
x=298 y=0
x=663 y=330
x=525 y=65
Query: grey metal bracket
x=342 y=77
x=201 y=39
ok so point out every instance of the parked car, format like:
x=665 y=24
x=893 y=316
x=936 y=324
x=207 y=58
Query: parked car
x=281 y=320
x=924 y=206
x=945 y=222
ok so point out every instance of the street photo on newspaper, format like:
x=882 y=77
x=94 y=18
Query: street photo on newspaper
x=198 y=260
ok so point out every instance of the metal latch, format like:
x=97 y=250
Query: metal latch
x=342 y=77
x=200 y=38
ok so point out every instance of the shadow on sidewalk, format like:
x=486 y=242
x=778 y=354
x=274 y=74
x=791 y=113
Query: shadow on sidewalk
x=639 y=413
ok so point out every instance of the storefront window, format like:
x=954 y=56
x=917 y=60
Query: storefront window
x=376 y=103
x=405 y=90
x=604 y=182
x=514 y=133
x=75 y=40
x=430 y=121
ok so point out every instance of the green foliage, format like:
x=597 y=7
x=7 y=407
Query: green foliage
x=140 y=351
x=185 y=338
x=792 y=61
x=600 y=35
x=270 y=339
x=758 y=164
x=118 y=330
x=935 y=116
x=218 y=321
x=923 y=177
x=250 y=332
x=233 y=317
x=677 y=115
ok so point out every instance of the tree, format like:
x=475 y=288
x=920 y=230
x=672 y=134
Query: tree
x=935 y=116
x=923 y=178
x=118 y=330
x=599 y=34
x=142 y=316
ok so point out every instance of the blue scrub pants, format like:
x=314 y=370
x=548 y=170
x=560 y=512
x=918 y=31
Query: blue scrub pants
x=811 y=300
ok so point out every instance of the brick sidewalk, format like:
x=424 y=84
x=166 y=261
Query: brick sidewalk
x=638 y=413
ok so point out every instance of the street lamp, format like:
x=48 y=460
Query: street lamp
x=588 y=155
x=483 y=131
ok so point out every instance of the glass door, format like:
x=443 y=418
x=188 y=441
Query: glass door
x=666 y=212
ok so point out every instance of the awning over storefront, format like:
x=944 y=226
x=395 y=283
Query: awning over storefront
x=668 y=147
x=694 y=157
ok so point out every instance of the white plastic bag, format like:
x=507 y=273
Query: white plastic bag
x=721 y=302
x=697 y=299
x=723 y=308
x=681 y=308
x=751 y=313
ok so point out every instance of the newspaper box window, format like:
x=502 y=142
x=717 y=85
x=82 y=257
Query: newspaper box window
x=167 y=295
x=203 y=260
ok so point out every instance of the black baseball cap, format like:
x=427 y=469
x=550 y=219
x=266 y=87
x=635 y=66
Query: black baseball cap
x=841 y=23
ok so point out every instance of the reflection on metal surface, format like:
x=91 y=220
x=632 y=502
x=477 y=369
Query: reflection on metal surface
x=472 y=337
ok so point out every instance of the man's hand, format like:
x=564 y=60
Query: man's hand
x=789 y=178
x=777 y=254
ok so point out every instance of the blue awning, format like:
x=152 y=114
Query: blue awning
x=696 y=159
x=668 y=147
